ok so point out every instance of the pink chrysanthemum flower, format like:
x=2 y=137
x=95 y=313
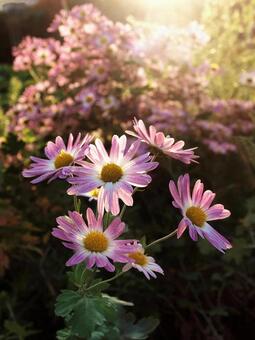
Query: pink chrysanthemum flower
x=92 y=195
x=114 y=174
x=60 y=159
x=165 y=144
x=197 y=210
x=143 y=263
x=90 y=242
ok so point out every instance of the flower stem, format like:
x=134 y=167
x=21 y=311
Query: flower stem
x=122 y=211
x=105 y=281
x=107 y=217
x=34 y=75
x=77 y=204
x=162 y=239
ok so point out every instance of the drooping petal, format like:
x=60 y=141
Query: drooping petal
x=216 y=239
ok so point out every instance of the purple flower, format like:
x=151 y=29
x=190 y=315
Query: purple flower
x=114 y=173
x=197 y=211
x=145 y=264
x=90 y=242
x=163 y=143
x=60 y=159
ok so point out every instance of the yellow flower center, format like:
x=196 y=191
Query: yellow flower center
x=139 y=258
x=95 y=241
x=111 y=173
x=89 y=99
x=196 y=215
x=101 y=70
x=94 y=193
x=103 y=40
x=63 y=159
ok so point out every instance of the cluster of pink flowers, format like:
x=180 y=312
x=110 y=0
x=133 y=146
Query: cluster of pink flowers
x=100 y=72
x=111 y=177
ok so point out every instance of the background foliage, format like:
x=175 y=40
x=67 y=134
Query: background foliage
x=204 y=295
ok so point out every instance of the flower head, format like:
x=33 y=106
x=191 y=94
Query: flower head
x=197 y=211
x=247 y=79
x=90 y=242
x=60 y=159
x=165 y=144
x=114 y=174
x=143 y=263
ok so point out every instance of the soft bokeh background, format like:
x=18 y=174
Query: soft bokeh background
x=196 y=84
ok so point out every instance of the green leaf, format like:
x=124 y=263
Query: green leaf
x=90 y=313
x=64 y=334
x=66 y=302
x=114 y=299
x=19 y=330
x=80 y=275
x=139 y=330
x=86 y=317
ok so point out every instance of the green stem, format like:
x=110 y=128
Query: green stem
x=122 y=211
x=105 y=281
x=34 y=75
x=77 y=204
x=162 y=239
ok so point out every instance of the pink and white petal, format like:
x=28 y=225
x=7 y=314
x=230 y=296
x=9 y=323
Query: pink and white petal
x=62 y=235
x=152 y=133
x=51 y=151
x=126 y=197
x=114 y=206
x=150 y=272
x=76 y=258
x=42 y=177
x=127 y=267
x=160 y=139
x=70 y=141
x=193 y=232
x=109 y=266
x=132 y=151
x=100 y=201
x=72 y=246
x=91 y=218
x=186 y=198
x=199 y=231
x=78 y=220
x=156 y=268
x=115 y=229
x=139 y=180
x=65 y=222
x=217 y=212
x=101 y=150
x=197 y=192
x=83 y=188
x=181 y=227
x=91 y=259
x=101 y=260
x=175 y=193
x=207 y=198
x=216 y=239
